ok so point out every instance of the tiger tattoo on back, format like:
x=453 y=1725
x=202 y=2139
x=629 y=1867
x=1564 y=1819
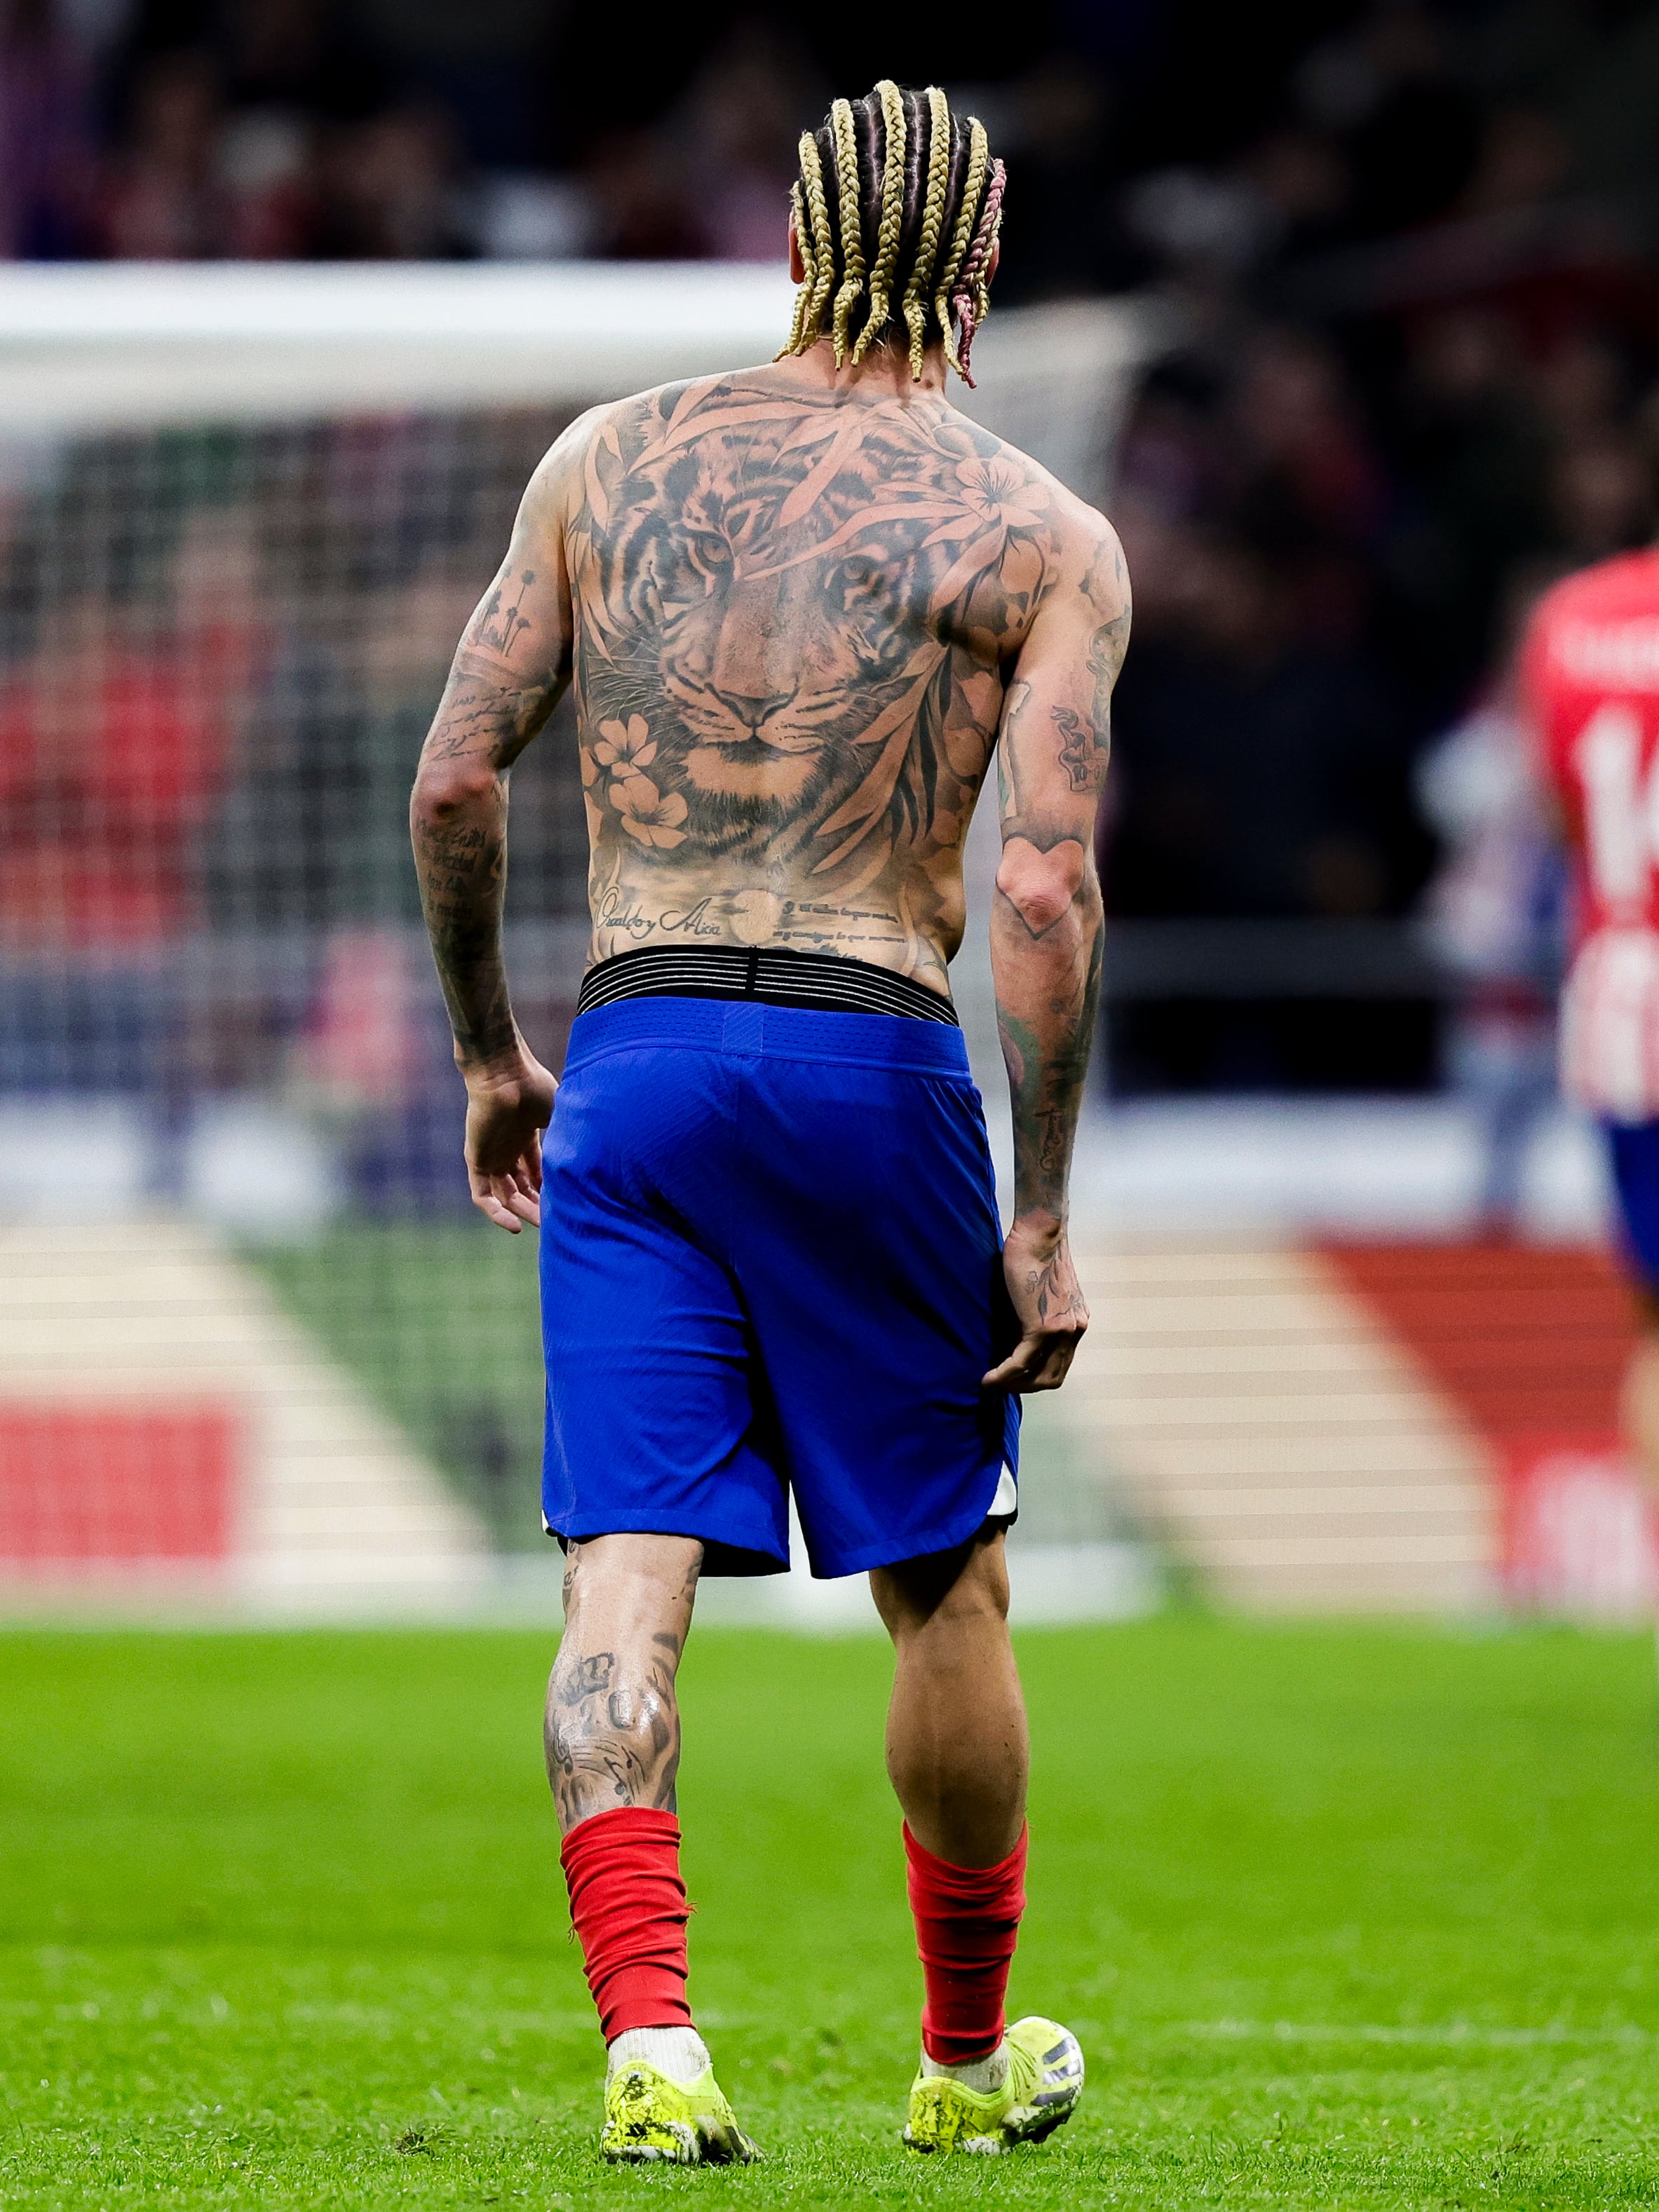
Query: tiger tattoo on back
x=793 y=619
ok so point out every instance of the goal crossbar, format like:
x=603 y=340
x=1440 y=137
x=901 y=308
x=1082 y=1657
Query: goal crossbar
x=94 y=348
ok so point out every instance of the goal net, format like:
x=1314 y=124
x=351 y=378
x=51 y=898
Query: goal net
x=251 y=1339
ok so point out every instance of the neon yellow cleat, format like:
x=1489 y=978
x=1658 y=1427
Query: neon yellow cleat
x=1044 y=2084
x=649 y=2117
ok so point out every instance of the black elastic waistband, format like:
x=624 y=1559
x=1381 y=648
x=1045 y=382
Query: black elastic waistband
x=777 y=977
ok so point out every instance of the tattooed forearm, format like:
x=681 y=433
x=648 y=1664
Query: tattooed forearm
x=1047 y=931
x=1047 y=997
x=460 y=859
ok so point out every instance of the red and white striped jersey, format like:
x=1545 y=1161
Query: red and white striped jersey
x=1590 y=670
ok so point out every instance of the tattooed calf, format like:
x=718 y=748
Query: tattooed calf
x=612 y=1737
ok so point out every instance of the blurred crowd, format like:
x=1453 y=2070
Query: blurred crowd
x=184 y=130
x=1418 y=318
x=1408 y=253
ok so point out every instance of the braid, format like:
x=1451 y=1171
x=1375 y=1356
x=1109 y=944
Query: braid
x=821 y=276
x=933 y=222
x=809 y=264
x=915 y=186
x=852 y=239
x=892 y=216
x=971 y=296
x=979 y=156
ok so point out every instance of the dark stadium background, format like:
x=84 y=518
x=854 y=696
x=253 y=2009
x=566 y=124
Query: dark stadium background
x=1411 y=250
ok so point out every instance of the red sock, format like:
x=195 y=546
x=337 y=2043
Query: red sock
x=629 y=1903
x=967 y=1924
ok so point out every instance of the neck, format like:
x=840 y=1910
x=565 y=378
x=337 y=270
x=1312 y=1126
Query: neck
x=883 y=373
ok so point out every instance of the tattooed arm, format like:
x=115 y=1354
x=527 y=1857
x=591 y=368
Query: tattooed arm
x=1047 y=932
x=512 y=662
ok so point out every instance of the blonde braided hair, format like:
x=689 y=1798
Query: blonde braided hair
x=892 y=216
x=933 y=222
x=817 y=208
x=979 y=160
x=809 y=262
x=851 y=238
x=971 y=297
x=950 y=205
x=817 y=249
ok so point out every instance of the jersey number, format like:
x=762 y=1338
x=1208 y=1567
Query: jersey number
x=1621 y=807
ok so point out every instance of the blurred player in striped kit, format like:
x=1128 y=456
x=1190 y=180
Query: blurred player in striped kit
x=1589 y=683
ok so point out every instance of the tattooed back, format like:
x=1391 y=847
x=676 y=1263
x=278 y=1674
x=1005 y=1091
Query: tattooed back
x=792 y=616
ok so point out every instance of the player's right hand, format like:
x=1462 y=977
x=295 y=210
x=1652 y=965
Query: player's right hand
x=1048 y=1303
x=507 y=1109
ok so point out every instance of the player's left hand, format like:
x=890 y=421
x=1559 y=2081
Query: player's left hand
x=1048 y=1303
x=508 y=1107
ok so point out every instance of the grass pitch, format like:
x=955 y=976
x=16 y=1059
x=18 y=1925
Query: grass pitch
x=1343 y=1916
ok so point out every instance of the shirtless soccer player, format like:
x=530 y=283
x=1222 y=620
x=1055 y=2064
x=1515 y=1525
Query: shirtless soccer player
x=800 y=606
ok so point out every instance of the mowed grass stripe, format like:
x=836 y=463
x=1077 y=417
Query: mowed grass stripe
x=1346 y=1916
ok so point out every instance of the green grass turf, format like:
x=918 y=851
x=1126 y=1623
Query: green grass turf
x=1344 y=1916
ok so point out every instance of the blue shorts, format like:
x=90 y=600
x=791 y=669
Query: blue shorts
x=771 y=1261
x=1633 y=1150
